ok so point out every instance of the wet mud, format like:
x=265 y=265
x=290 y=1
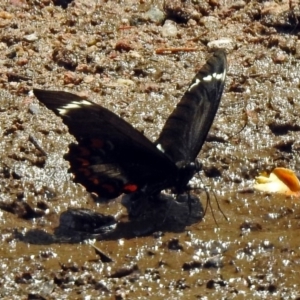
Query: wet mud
x=137 y=58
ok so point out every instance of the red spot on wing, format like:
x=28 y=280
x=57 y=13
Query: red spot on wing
x=130 y=188
x=96 y=181
x=109 y=188
x=96 y=143
x=85 y=172
x=83 y=162
x=84 y=151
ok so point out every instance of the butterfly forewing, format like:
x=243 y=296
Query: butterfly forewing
x=187 y=127
x=110 y=157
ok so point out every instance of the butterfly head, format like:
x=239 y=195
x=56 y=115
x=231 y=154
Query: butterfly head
x=186 y=172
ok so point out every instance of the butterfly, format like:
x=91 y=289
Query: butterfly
x=111 y=157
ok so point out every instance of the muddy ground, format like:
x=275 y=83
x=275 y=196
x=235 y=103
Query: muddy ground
x=112 y=52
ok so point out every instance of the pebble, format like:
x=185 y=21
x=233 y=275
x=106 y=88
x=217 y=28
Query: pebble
x=30 y=37
x=224 y=43
x=238 y=4
x=5 y=15
x=155 y=15
x=169 y=29
x=33 y=108
x=88 y=79
x=72 y=78
x=279 y=58
x=126 y=82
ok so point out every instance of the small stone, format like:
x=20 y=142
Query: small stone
x=88 y=79
x=30 y=37
x=192 y=23
x=5 y=15
x=155 y=15
x=238 y=4
x=33 y=108
x=134 y=54
x=82 y=68
x=279 y=58
x=22 y=61
x=72 y=78
x=169 y=29
x=125 y=21
x=125 y=45
x=126 y=82
x=224 y=43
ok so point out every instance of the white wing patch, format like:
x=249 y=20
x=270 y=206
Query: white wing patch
x=215 y=76
x=197 y=81
x=160 y=148
x=73 y=105
x=209 y=78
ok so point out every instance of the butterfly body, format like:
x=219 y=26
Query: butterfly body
x=111 y=157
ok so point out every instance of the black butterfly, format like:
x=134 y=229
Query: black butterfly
x=111 y=157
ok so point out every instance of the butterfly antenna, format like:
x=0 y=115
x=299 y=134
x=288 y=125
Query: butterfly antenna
x=208 y=203
x=246 y=121
x=219 y=206
x=207 y=197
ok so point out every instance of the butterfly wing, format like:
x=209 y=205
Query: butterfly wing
x=110 y=157
x=187 y=127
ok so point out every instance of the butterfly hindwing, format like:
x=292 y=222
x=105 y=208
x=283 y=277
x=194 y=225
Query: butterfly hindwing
x=187 y=127
x=110 y=157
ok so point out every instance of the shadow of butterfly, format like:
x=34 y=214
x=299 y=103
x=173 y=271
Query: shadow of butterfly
x=111 y=157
